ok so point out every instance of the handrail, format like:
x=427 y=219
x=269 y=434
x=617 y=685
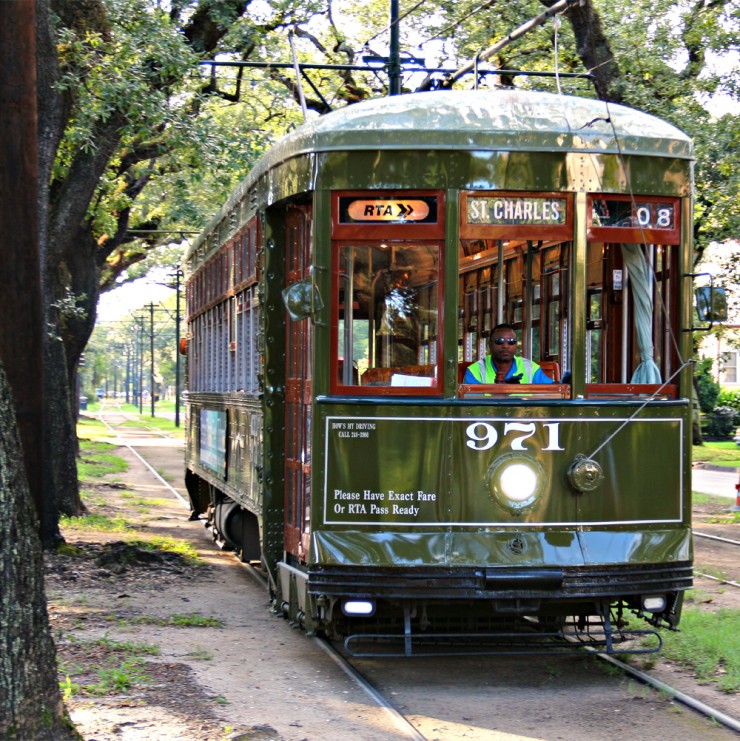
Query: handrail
x=539 y=390
x=626 y=390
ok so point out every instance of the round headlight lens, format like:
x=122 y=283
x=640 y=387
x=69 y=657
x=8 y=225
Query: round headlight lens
x=518 y=482
x=515 y=481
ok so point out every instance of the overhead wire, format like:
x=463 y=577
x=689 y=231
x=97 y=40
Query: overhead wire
x=454 y=24
x=396 y=22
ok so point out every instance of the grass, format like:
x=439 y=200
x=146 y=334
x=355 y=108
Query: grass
x=169 y=545
x=97 y=459
x=129 y=647
x=158 y=423
x=88 y=426
x=725 y=453
x=119 y=670
x=93 y=522
x=192 y=620
x=200 y=655
x=708 y=643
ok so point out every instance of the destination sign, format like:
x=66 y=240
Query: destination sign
x=419 y=210
x=512 y=210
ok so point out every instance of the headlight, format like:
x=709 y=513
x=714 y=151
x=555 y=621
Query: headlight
x=515 y=482
x=358 y=607
x=518 y=482
x=653 y=602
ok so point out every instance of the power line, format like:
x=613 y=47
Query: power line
x=397 y=21
x=454 y=24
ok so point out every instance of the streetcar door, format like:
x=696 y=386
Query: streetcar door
x=298 y=386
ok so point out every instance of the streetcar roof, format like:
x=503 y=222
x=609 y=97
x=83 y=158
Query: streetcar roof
x=486 y=120
x=477 y=120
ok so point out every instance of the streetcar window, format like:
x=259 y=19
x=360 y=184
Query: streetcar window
x=224 y=309
x=388 y=315
x=523 y=283
x=632 y=313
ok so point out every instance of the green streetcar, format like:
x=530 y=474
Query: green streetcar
x=334 y=306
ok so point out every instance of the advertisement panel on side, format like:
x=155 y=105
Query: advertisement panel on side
x=213 y=441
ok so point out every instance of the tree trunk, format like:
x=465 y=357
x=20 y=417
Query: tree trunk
x=61 y=437
x=594 y=50
x=75 y=275
x=31 y=705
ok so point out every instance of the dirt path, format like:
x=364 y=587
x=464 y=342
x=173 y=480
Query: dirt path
x=243 y=673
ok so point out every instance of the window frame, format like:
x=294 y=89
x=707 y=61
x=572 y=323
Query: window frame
x=396 y=233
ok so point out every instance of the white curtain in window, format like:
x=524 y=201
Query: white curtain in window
x=641 y=282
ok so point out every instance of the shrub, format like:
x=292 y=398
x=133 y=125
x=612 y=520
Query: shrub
x=720 y=423
x=706 y=387
x=730 y=399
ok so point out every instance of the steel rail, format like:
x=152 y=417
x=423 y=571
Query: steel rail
x=405 y=725
x=702 y=575
x=125 y=443
x=129 y=417
x=717 y=537
x=672 y=692
x=401 y=721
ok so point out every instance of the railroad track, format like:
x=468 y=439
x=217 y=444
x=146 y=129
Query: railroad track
x=719 y=539
x=112 y=407
x=407 y=727
x=729 y=541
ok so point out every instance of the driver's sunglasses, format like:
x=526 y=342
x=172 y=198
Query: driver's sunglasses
x=507 y=340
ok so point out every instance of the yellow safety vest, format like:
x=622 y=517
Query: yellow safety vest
x=484 y=369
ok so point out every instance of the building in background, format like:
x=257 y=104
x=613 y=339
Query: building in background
x=723 y=344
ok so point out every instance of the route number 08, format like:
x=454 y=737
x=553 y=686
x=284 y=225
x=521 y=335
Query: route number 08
x=483 y=436
x=662 y=219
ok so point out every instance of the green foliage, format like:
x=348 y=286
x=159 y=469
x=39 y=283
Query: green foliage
x=118 y=679
x=69 y=688
x=730 y=398
x=95 y=522
x=191 y=620
x=119 y=668
x=187 y=138
x=169 y=545
x=133 y=648
x=720 y=423
x=707 y=387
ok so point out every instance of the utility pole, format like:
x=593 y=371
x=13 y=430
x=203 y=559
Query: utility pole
x=128 y=372
x=178 y=277
x=394 y=60
x=151 y=356
x=140 y=356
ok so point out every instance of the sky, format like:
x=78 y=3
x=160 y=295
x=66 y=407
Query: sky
x=120 y=302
